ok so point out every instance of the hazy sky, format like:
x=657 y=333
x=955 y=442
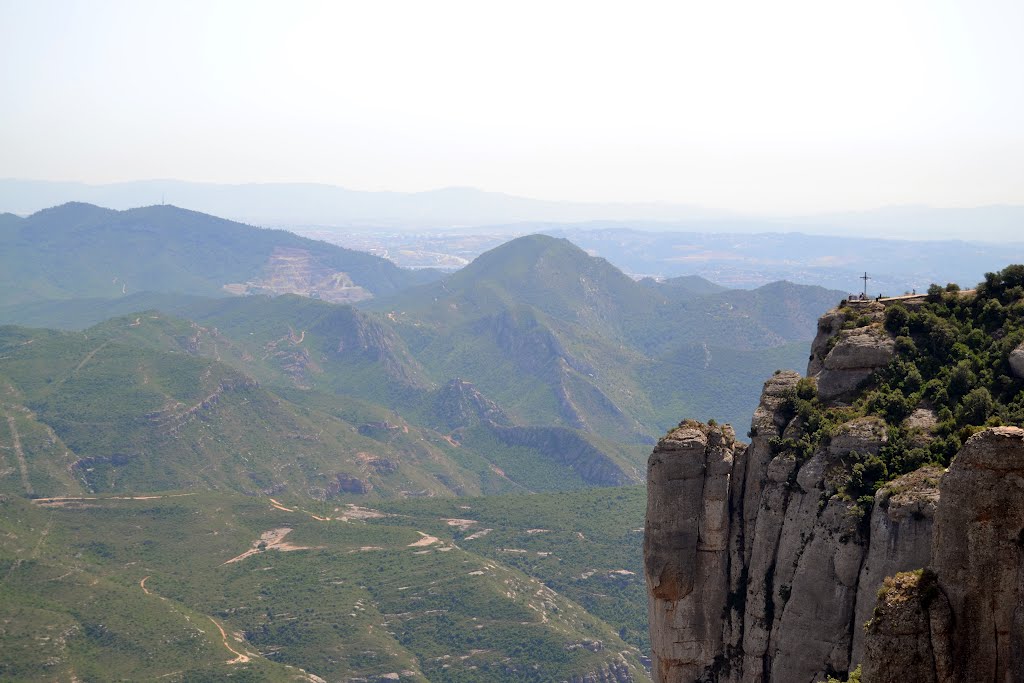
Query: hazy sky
x=755 y=106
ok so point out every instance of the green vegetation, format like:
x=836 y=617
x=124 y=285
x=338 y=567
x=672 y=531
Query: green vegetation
x=590 y=347
x=568 y=371
x=586 y=545
x=854 y=677
x=97 y=587
x=139 y=403
x=79 y=250
x=952 y=357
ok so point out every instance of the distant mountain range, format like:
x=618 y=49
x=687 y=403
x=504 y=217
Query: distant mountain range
x=835 y=261
x=307 y=204
x=289 y=204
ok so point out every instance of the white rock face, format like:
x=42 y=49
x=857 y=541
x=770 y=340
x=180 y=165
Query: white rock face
x=1017 y=361
x=756 y=568
x=760 y=572
x=977 y=554
x=855 y=356
x=686 y=547
x=901 y=539
x=962 y=620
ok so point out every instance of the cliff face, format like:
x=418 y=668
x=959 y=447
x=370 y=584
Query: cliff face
x=760 y=570
x=755 y=567
x=964 y=617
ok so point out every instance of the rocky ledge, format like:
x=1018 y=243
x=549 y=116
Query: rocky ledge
x=760 y=570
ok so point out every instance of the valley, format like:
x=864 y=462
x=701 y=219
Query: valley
x=300 y=590
x=450 y=342
x=437 y=480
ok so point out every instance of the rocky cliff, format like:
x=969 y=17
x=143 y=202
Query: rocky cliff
x=764 y=561
x=962 y=619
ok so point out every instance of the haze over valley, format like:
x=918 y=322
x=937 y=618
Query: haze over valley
x=465 y=342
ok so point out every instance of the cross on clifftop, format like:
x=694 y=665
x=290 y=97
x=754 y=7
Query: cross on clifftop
x=865 y=278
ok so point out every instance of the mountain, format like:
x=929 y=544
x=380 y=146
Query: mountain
x=80 y=250
x=312 y=204
x=148 y=401
x=533 y=368
x=873 y=523
x=552 y=335
x=587 y=345
x=91 y=412
x=335 y=453
x=319 y=204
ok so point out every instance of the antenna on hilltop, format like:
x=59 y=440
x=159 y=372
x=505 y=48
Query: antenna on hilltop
x=865 y=278
x=161 y=199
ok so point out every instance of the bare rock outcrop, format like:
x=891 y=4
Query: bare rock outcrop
x=460 y=404
x=829 y=326
x=977 y=554
x=1017 y=361
x=762 y=569
x=908 y=639
x=756 y=562
x=686 y=551
x=902 y=521
x=920 y=426
x=611 y=672
x=787 y=598
x=962 y=619
x=856 y=354
x=753 y=560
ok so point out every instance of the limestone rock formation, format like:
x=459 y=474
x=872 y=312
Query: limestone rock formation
x=899 y=643
x=963 y=618
x=760 y=572
x=754 y=562
x=857 y=354
x=760 y=569
x=901 y=539
x=686 y=551
x=829 y=326
x=1017 y=361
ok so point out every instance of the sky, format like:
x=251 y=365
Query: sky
x=768 y=108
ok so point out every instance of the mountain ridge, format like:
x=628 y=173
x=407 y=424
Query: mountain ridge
x=77 y=249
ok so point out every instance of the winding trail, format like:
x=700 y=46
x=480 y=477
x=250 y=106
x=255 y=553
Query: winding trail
x=240 y=657
x=279 y=506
